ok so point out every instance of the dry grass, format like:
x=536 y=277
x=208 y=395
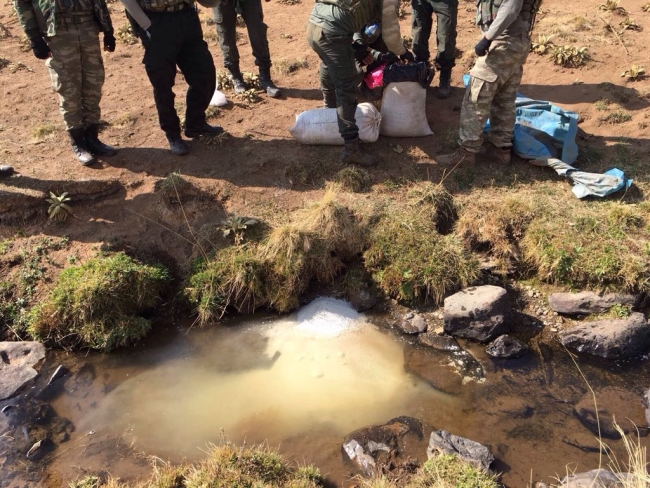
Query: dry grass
x=354 y=179
x=44 y=130
x=284 y=67
x=125 y=35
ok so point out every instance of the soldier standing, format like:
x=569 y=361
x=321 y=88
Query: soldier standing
x=175 y=38
x=330 y=31
x=65 y=34
x=421 y=22
x=494 y=80
x=225 y=17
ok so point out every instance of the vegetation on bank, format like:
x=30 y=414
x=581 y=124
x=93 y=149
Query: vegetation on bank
x=99 y=305
x=225 y=466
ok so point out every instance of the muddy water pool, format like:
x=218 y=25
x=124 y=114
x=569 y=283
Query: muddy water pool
x=302 y=382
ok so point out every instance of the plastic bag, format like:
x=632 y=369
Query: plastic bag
x=403 y=111
x=319 y=126
x=218 y=99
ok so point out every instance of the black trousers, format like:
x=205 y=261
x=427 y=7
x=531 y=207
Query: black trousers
x=177 y=40
x=421 y=23
x=225 y=18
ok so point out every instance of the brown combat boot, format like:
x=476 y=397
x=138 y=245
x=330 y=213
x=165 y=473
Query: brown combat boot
x=494 y=154
x=460 y=156
x=353 y=154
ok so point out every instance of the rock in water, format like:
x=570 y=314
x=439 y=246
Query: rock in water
x=613 y=403
x=587 y=302
x=611 y=339
x=438 y=342
x=470 y=451
x=412 y=324
x=596 y=478
x=17 y=361
x=506 y=346
x=481 y=313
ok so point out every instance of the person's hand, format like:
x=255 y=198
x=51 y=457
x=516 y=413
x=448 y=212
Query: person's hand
x=109 y=42
x=368 y=59
x=408 y=57
x=360 y=51
x=482 y=46
x=388 y=58
x=41 y=49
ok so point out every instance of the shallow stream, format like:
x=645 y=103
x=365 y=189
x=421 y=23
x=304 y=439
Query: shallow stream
x=301 y=383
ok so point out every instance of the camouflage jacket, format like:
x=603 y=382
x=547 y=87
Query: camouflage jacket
x=38 y=17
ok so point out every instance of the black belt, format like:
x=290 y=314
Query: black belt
x=171 y=8
x=75 y=18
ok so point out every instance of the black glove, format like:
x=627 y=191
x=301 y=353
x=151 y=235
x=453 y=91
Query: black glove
x=40 y=48
x=408 y=56
x=109 y=42
x=360 y=51
x=482 y=47
x=388 y=58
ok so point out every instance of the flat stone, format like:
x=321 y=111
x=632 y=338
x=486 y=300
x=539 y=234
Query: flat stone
x=506 y=347
x=17 y=361
x=613 y=403
x=443 y=442
x=587 y=302
x=412 y=324
x=481 y=313
x=596 y=478
x=611 y=339
x=428 y=368
x=439 y=342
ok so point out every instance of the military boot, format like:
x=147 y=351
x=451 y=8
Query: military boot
x=6 y=172
x=178 y=146
x=460 y=156
x=238 y=83
x=444 y=85
x=268 y=85
x=492 y=153
x=94 y=145
x=353 y=154
x=79 y=147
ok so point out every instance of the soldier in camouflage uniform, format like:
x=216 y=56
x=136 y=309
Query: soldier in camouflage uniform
x=494 y=81
x=330 y=31
x=421 y=22
x=175 y=38
x=65 y=34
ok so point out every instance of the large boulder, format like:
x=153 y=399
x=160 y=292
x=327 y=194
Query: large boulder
x=374 y=448
x=587 y=302
x=596 y=478
x=442 y=442
x=481 y=313
x=17 y=361
x=611 y=339
x=506 y=346
x=613 y=404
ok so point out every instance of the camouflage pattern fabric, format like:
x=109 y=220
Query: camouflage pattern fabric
x=77 y=73
x=41 y=18
x=491 y=93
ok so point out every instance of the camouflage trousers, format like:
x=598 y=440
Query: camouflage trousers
x=77 y=71
x=491 y=93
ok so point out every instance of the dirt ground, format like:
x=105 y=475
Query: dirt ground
x=259 y=170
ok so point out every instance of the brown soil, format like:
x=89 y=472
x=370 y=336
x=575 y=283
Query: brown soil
x=260 y=171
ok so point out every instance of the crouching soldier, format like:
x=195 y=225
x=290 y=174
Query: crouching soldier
x=65 y=34
x=494 y=81
x=330 y=32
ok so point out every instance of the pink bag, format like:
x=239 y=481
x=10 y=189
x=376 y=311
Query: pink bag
x=375 y=78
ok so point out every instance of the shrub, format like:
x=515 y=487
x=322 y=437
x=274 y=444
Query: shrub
x=99 y=304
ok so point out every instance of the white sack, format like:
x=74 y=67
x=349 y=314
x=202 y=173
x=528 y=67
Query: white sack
x=218 y=99
x=403 y=110
x=319 y=126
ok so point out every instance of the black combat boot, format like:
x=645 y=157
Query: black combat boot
x=238 y=83
x=353 y=154
x=94 y=145
x=444 y=86
x=6 y=172
x=79 y=147
x=268 y=85
x=178 y=146
x=205 y=130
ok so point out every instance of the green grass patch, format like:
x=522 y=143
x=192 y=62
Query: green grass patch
x=98 y=305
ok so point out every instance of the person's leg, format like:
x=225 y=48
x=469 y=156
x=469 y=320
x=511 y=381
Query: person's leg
x=254 y=18
x=91 y=88
x=446 y=19
x=159 y=60
x=421 y=22
x=66 y=75
x=327 y=87
x=225 y=18
x=196 y=64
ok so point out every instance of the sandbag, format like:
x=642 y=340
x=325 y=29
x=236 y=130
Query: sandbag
x=319 y=126
x=403 y=111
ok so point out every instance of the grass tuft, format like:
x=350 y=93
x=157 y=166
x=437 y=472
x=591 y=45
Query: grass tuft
x=354 y=179
x=616 y=117
x=98 y=305
x=285 y=67
x=43 y=131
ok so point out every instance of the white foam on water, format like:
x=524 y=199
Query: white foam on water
x=324 y=365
